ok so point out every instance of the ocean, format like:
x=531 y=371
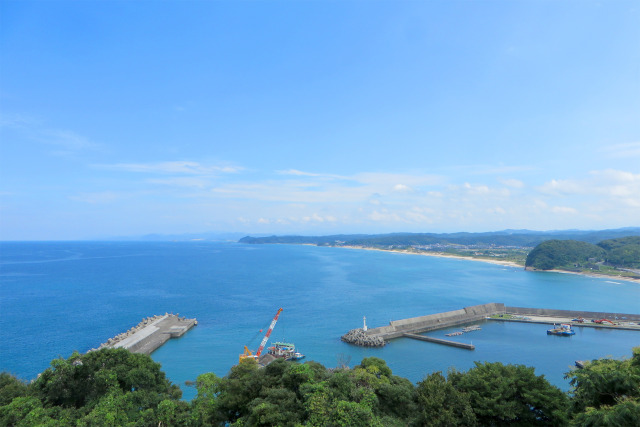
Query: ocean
x=57 y=297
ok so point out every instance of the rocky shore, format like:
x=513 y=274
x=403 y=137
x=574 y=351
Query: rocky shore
x=360 y=337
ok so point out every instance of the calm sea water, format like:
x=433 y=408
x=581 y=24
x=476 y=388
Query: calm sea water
x=63 y=296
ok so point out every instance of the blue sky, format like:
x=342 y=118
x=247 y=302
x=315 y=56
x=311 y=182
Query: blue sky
x=317 y=117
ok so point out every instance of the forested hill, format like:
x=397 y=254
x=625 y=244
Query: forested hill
x=519 y=238
x=572 y=254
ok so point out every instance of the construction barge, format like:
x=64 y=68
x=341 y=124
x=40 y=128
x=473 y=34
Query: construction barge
x=151 y=333
x=413 y=327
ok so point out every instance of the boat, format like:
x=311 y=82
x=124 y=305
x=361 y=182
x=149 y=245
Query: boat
x=454 y=334
x=471 y=328
x=563 y=330
x=297 y=356
x=285 y=350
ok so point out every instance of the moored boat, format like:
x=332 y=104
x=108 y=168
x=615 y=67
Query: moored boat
x=285 y=350
x=562 y=330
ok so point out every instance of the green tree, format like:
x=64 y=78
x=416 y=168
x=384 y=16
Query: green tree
x=510 y=395
x=441 y=404
x=204 y=408
x=10 y=388
x=606 y=389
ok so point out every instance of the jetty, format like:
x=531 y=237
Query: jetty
x=151 y=333
x=413 y=327
x=440 y=341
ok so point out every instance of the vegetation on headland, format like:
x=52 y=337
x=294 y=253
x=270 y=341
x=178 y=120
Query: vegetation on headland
x=116 y=387
x=607 y=256
x=506 y=238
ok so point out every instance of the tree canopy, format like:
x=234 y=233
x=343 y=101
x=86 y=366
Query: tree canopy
x=115 y=387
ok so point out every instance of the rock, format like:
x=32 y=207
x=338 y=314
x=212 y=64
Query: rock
x=361 y=338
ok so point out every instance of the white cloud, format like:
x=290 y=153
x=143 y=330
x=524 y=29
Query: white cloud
x=608 y=182
x=401 y=188
x=563 y=187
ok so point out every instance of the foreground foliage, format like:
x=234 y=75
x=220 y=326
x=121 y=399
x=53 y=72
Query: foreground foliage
x=117 y=388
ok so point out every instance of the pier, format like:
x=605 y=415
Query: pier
x=151 y=333
x=619 y=321
x=440 y=341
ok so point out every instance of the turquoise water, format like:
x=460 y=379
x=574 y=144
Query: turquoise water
x=65 y=296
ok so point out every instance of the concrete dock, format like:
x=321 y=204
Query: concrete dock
x=622 y=321
x=440 y=341
x=151 y=333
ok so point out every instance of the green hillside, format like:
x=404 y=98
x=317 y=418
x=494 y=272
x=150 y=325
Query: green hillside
x=517 y=238
x=624 y=252
x=564 y=254
x=574 y=255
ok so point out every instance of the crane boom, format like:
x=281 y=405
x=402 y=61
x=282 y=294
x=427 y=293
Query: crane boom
x=266 y=337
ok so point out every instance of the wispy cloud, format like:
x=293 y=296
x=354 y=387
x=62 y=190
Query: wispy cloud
x=173 y=167
x=188 y=182
x=626 y=150
x=472 y=169
x=513 y=183
x=103 y=197
x=63 y=141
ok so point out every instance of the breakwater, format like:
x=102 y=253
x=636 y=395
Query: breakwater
x=360 y=337
x=151 y=333
x=431 y=322
x=412 y=327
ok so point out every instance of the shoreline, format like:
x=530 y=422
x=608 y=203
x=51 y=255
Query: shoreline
x=597 y=276
x=496 y=262
x=438 y=254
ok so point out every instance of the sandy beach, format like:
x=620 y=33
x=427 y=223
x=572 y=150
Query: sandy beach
x=491 y=261
x=439 y=255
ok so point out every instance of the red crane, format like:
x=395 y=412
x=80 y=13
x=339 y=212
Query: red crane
x=247 y=352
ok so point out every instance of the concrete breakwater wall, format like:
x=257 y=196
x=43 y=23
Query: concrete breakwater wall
x=571 y=313
x=416 y=325
x=151 y=333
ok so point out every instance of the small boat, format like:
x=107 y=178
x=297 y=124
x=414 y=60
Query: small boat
x=454 y=334
x=285 y=350
x=297 y=356
x=562 y=330
x=471 y=328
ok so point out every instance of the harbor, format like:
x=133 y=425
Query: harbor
x=414 y=327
